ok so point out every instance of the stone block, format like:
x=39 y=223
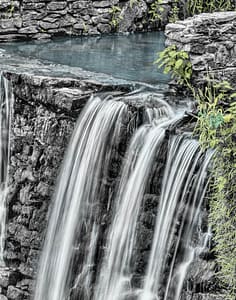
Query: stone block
x=56 y=5
x=14 y=293
x=49 y=25
x=101 y=4
x=29 y=30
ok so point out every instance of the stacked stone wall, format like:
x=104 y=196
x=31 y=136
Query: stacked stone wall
x=43 y=19
x=210 y=40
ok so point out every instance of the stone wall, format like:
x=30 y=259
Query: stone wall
x=45 y=112
x=44 y=115
x=42 y=19
x=210 y=40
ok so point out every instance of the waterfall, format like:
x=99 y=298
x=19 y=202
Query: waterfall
x=76 y=201
x=6 y=103
x=82 y=258
x=115 y=275
x=183 y=189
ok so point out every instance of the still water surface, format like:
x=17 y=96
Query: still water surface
x=127 y=57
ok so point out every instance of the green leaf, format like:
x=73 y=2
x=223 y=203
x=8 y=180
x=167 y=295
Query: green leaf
x=179 y=63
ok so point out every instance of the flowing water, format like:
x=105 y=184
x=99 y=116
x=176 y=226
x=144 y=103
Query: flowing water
x=86 y=163
x=183 y=190
x=97 y=231
x=114 y=281
x=6 y=102
x=81 y=259
x=115 y=277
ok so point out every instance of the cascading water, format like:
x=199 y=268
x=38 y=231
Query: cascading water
x=116 y=274
x=6 y=102
x=75 y=264
x=75 y=211
x=183 y=189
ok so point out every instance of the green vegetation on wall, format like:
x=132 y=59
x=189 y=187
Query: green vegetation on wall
x=115 y=12
x=176 y=63
x=156 y=10
x=175 y=11
x=188 y=8
x=202 y=6
x=8 y=11
x=216 y=129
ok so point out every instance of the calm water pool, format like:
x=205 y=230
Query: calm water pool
x=127 y=57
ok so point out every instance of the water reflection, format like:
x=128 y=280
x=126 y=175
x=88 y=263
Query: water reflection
x=127 y=57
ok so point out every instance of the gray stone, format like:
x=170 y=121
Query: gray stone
x=14 y=293
x=79 y=26
x=49 y=25
x=7 y=277
x=104 y=28
x=210 y=42
x=88 y=14
x=28 y=6
x=29 y=30
x=129 y=14
x=11 y=37
x=41 y=36
x=6 y=24
x=102 y=4
x=56 y=5
x=173 y=27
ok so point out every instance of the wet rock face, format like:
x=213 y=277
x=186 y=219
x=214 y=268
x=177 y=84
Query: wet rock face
x=210 y=40
x=39 y=136
x=45 y=112
x=43 y=19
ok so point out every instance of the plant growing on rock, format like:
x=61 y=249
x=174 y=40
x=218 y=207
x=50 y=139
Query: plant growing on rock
x=216 y=128
x=192 y=7
x=85 y=27
x=174 y=13
x=177 y=63
x=115 y=12
x=11 y=10
x=201 y=6
x=156 y=11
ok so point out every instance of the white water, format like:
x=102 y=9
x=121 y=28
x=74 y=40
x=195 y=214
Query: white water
x=75 y=213
x=6 y=104
x=116 y=274
x=114 y=282
x=87 y=159
x=181 y=177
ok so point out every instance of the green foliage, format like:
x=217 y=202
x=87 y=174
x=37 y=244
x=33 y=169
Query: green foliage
x=201 y=6
x=156 y=10
x=11 y=10
x=192 y=7
x=216 y=128
x=174 y=13
x=210 y=112
x=175 y=62
x=116 y=17
x=85 y=27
